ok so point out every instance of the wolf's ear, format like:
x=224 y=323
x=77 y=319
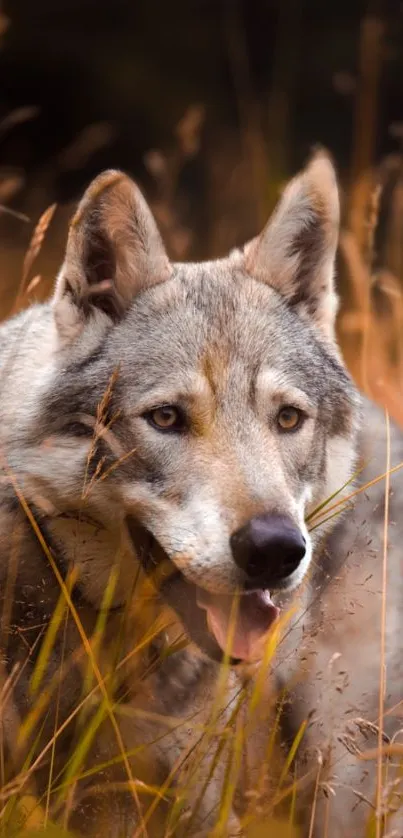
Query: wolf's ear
x=295 y=253
x=114 y=250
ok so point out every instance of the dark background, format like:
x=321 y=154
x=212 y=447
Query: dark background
x=102 y=82
x=140 y=63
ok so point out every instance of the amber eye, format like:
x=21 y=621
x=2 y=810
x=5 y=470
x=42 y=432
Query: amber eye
x=166 y=418
x=289 y=418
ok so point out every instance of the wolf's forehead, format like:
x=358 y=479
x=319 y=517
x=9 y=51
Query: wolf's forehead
x=205 y=305
x=218 y=314
x=217 y=323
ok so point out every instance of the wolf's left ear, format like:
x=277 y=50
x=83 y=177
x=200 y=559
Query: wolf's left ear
x=295 y=254
x=114 y=250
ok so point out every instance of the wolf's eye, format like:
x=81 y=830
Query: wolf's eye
x=289 y=418
x=166 y=418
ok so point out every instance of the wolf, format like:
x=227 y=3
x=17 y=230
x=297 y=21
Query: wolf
x=192 y=525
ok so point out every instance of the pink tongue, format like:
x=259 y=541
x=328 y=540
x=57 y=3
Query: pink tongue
x=241 y=625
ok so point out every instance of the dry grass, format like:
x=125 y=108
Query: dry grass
x=22 y=808
x=371 y=337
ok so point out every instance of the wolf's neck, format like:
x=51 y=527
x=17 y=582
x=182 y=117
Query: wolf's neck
x=150 y=625
x=109 y=574
x=103 y=558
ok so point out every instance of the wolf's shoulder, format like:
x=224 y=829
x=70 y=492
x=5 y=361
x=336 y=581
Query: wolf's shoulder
x=381 y=441
x=360 y=531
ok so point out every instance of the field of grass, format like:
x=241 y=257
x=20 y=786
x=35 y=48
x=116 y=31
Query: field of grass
x=371 y=336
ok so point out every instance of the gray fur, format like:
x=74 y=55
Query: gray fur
x=229 y=342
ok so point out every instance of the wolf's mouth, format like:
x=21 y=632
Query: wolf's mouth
x=217 y=623
x=239 y=622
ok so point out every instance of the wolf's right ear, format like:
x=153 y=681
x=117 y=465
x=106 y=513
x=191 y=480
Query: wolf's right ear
x=114 y=250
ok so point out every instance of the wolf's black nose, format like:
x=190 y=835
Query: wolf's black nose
x=268 y=548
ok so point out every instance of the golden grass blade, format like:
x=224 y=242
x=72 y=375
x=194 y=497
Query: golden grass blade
x=366 y=486
x=331 y=497
x=315 y=797
x=387 y=750
x=105 y=474
x=33 y=283
x=37 y=241
x=33 y=250
x=272 y=741
x=227 y=795
x=42 y=700
x=232 y=777
x=293 y=805
x=53 y=751
x=7 y=813
x=83 y=745
x=328 y=518
x=292 y=752
x=270 y=648
x=100 y=626
x=49 y=639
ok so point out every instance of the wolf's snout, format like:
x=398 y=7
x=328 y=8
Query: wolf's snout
x=268 y=548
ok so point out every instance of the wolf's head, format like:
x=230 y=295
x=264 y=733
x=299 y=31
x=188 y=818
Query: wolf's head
x=228 y=406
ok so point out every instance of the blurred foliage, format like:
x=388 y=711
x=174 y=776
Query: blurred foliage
x=140 y=65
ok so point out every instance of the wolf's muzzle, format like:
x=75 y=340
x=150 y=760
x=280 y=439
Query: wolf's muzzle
x=268 y=549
